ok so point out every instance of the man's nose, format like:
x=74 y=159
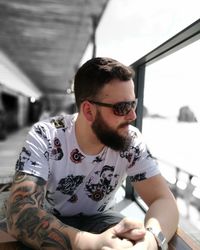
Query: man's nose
x=131 y=116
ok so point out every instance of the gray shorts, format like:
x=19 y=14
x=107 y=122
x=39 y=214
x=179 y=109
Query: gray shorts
x=97 y=223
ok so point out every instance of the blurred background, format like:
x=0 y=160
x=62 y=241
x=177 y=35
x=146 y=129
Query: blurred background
x=43 y=43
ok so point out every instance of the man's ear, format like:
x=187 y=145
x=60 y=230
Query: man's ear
x=88 y=111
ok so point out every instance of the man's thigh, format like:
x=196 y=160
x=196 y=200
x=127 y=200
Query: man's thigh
x=97 y=223
x=100 y=222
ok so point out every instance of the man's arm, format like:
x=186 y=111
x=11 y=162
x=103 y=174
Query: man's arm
x=32 y=225
x=29 y=223
x=163 y=212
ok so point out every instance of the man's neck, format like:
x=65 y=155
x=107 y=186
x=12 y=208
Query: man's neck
x=86 y=138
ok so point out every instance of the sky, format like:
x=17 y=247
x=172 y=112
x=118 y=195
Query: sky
x=176 y=78
x=130 y=29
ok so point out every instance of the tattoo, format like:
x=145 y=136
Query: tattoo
x=57 y=240
x=37 y=228
x=27 y=221
x=20 y=177
x=23 y=195
x=19 y=201
x=25 y=214
x=27 y=190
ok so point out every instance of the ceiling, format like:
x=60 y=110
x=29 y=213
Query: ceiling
x=46 y=39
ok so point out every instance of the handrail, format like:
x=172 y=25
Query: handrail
x=182 y=241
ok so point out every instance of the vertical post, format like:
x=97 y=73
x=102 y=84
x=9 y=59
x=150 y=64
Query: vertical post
x=129 y=192
x=94 y=26
x=139 y=91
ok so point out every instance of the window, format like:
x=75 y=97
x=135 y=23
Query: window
x=167 y=82
x=171 y=122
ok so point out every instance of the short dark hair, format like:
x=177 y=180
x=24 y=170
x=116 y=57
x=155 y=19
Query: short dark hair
x=92 y=76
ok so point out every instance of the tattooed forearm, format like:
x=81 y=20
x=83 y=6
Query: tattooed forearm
x=56 y=240
x=19 y=198
x=32 y=225
x=27 y=223
x=38 y=228
x=26 y=194
x=26 y=217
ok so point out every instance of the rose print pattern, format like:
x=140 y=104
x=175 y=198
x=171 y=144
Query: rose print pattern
x=76 y=156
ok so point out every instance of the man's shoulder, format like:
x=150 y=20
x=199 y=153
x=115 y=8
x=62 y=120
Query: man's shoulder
x=58 y=122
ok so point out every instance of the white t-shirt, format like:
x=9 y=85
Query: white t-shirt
x=76 y=182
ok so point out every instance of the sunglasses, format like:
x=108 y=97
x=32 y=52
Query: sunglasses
x=119 y=108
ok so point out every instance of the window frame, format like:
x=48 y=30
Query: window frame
x=185 y=37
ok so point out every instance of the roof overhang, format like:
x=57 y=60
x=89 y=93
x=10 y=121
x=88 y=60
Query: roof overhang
x=46 y=39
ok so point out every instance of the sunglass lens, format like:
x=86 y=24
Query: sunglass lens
x=122 y=108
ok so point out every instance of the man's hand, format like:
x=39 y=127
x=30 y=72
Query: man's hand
x=123 y=235
x=135 y=232
x=130 y=229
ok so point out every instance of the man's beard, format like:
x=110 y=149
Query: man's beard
x=109 y=136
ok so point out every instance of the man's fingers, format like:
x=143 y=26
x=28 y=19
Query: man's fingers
x=117 y=248
x=130 y=229
x=134 y=234
x=128 y=224
x=119 y=244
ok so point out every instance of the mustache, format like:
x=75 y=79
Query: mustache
x=124 y=124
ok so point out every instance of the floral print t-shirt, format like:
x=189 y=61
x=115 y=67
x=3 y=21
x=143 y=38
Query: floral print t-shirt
x=76 y=182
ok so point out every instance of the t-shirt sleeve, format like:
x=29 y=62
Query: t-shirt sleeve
x=143 y=165
x=34 y=156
